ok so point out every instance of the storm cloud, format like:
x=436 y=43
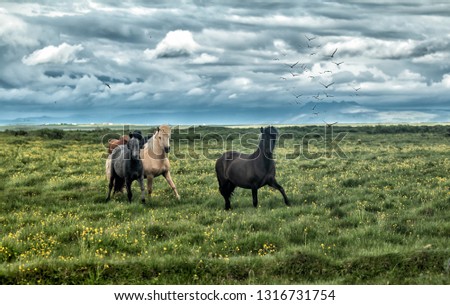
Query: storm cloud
x=224 y=62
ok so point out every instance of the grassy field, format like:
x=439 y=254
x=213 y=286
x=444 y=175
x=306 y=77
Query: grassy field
x=370 y=206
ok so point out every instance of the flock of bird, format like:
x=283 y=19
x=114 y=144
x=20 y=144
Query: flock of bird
x=299 y=69
x=323 y=79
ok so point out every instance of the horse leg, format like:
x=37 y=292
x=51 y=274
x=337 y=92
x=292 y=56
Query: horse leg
x=226 y=190
x=128 y=184
x=172 y=185
x=141 y=184
x=149 y=184
x=275 y=185
x=255 y=197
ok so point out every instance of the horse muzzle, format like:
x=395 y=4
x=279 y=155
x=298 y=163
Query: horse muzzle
x=167 y=149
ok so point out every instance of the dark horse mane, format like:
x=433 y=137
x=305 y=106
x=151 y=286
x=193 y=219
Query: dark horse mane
x=267 y=141
x=250 y=171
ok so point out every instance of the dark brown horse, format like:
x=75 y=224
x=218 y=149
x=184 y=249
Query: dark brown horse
x=113 y=143
x=249 y=171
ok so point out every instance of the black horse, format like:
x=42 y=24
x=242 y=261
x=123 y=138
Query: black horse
x=126 y=166
x=138 y=135
x=249 y=171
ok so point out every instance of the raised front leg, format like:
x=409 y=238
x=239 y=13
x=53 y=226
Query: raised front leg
x=172 y=185
x=275 y=185
x=255 y=197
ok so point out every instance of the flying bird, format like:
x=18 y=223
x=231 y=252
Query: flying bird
x=334 y=52
x=338 y=63
x=296 y=95
x=292 y=66
x=310 y=38
x=314 y=107
x=107 y=85
x=317 y=97
x=294 y=74
x=326 y=86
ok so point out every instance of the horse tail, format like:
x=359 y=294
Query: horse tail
x=220 y=171
x=108 y=167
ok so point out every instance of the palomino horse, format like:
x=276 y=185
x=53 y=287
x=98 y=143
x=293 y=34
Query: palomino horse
x=154 y=158
x=251 y=171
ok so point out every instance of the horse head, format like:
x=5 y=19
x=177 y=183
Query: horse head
x=138 y=134
x=162 y=136
x=133 y=146
x=268 y=140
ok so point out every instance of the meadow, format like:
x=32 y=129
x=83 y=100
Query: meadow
x=370 y=205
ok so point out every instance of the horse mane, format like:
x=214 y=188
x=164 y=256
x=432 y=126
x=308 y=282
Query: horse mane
x=149 y=143
x=165 y=129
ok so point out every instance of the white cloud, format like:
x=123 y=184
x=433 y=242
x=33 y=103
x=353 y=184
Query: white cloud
x=218 y=38
x=282 y=20
x=137 y=96
x=236 y=84
x=439 y=58
x=13 y=31
x=408 y=75
x=446 y=80
x=205 y=59
x=87 y=85
x=61 y=54
x=196 y=91
x=175 y=44
x=372 y=47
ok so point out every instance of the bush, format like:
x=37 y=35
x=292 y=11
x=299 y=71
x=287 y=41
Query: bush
x=52 y=134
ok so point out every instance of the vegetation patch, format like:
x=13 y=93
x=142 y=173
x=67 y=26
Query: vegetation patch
x=377 y=214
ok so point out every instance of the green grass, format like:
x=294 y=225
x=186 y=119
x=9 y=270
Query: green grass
x=380 y=215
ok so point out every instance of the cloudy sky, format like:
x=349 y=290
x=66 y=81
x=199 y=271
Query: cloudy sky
x=224 y=62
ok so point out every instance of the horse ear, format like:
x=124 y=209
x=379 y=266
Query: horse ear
x=130 y=135
x=157 y=128
x=262 y=130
